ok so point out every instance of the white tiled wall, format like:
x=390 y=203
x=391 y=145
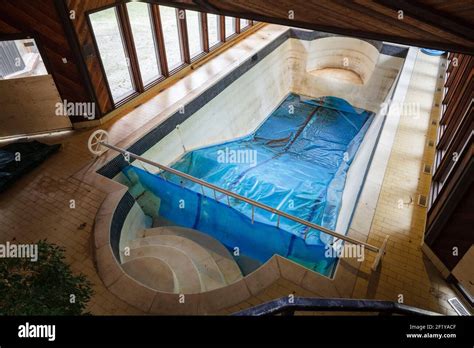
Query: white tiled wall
x=247 y=102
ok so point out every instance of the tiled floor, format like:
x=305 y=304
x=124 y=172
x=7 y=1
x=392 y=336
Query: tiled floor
x=405 y=272
x=38 y=207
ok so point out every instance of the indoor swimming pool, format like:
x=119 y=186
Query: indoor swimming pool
x=296 y=161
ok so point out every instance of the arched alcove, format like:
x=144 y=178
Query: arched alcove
x=345 y=59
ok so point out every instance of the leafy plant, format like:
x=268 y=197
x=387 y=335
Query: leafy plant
x=46 y=286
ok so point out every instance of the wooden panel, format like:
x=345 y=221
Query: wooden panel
x=205 y=33
x=444 y=25
x=450 y=215
x=457 y=232
x=455 y=143
x=465 y=67
x=41 y=20
x=29 y=106
x=183 y=36
x=86 y=42
x=129 y=42
x=160 y=41
x=457 y=118
x=464 y=271
x=454 y=8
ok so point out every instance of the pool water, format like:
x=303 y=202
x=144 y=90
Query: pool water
x=296 y=161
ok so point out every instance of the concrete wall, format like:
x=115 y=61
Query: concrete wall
x=377 y=71
x=343 y=53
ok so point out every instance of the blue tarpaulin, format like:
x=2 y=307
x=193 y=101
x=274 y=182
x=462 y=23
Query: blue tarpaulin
x=296 y=161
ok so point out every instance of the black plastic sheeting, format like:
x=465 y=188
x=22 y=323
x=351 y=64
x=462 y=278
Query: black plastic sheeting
x=17 y=159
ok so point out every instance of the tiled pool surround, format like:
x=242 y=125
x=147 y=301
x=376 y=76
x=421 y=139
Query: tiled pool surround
x=267 y=274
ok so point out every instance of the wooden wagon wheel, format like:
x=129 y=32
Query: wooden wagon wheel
x=95 y=142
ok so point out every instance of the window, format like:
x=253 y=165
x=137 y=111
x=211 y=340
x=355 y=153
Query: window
x=169 y=24
x=140 y=43
x=20 y=58
x=145 y=44
x=194 y=27
x=213 y=29
x=244 y=23
x=112 y=53
x=229 y=27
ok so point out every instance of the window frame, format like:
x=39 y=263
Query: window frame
x=219 y=41
x=161 y=76
x=126 y=34
x=134 y=92
x=202 y=37
x=38 y=44
x=184 y=52
x=243 y=29
x=235 y=25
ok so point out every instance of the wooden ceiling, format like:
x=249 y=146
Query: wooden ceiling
x=440 y=24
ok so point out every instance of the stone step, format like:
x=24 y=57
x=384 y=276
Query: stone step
x=187 y=275
x=152 y=272
x=209 y=272
x=223 y=258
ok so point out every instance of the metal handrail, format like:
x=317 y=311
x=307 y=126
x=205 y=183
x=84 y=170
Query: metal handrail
x=252 y=202
x=285 y=306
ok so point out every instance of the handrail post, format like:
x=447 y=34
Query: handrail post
x=162 y=175
x=380 y=254
x=253 y=213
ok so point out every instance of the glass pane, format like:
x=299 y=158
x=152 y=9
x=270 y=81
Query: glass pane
x=20 y=58
x=112 y=53
x=229 y=26
x=169 y=23
x=213 y=29
x=143 y=37
x=244 y=23
x=193 y=22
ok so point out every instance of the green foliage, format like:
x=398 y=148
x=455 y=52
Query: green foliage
x=43 y=287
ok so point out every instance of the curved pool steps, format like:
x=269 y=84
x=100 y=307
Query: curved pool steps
x=161 y=221
x=152 y=272
x=209 y=273
x=216 y=249
x=187 y=275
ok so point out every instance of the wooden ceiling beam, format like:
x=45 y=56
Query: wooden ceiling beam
x=425 y=24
